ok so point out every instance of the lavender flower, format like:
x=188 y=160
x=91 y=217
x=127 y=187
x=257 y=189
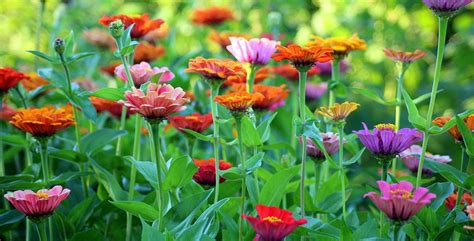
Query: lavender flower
x=253 y=51
x=443 y=7
x=315 y=91
x=411 y=159
x=330 y=142
x=326 y=67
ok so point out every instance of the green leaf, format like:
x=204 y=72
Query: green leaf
x=69 y=155
x=435 y=130
x=34 y=93
x=199 y=136
x=129 y=49
x=56 y=79
x=249 y=134
x=442 y=191
x=44 y=56
x=180 y=173
x=82 y=212
x=273 y=190
x=81 y=100
x=147 y=169
x=264 y=129
x=109 y=182
x=91 y=234
x=139 y=209
x=355 y=158
x=97 y=139
x=14 y=140
x=369 y=93
x=114 y=94
x=424 y=97
x=413 y=115
x=69 y=44
x=126 y=38
x=448 y=172
x=151 y=233
x=78 y=56
x=11 y=217
x=181 y=214
x=234 y=173
x=467 y=136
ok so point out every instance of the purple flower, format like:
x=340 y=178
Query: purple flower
x=253 y=51
x=411 y=159
x=143 y=72
x=326 y=67
x=398 y=201
x=330 y=142
x=446 y=6
x=385 y=142
x=315 y=91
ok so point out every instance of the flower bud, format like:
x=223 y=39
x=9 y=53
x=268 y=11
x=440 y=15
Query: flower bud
x=59 y=46
x=116 y=28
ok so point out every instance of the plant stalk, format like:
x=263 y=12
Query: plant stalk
x=464 y=164
x=302 y=113
x=242 y=168
x=215 y=117
x=341 y=169
x=154 y=131
x=398 y=107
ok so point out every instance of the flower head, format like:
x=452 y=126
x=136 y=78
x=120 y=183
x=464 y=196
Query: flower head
x=303 y=58
x=223 y=38
x=99 y=38
x=6 y=112
x=195 y=122
x=113 y=107
x=9 y=78
x=211 y=16
x=254 y=51
x=142 y=23
x=454 y=131
x=273 y=223
x=326 y=67
x=143 y=72
x=43 y=122
x=157 y=103
x=215 y=69
x=289 y=72
x=38 y=204
x=470 y=213
x=404 y=57
x=260 y=75
x=314 y=91
x=330 y=142
x=341 y=46
x=411 y=159
x=446 y=7
x=339 y=112
x=273 y=96
x=33 y=82
x=206 y=174
x=450 y=202
x=147 y=52
x=238 y=102
x=398 y=200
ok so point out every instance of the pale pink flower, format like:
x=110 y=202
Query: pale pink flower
x=254 y=51
x=470 y=213
x=330 y=143
x=143 y=72
x=411 y=159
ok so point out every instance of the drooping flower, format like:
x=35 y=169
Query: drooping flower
x=273 y=96
x=260 y=75
x=470 y=212
x=330 y=143
x=450 y=201
x=289 y=72
x=110 y=106
x=143 y=72
x=43 y=122
x=341 y=46
x=273 y=223
x=99 y=37
x=147 y=52
x=314 y=91
x=222 y=38
x=386 y=143
x=254 y=51
x=33 y=82
x=325 y=68
x=398 y=200
x=206 y=174
x=303 y=58
x=411 y=159
x=195 y=122
x=454 y=131
x=142 y=23
x=37 y=205
x=215 y=70
x=6 y=112
x=9 y=78
x=338 y=111
x=238 y=102
x=157 y=103
x=211 y=16
x=446 y=7
x=404 y=57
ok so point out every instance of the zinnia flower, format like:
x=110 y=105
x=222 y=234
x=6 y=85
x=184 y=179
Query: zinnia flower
x=206 y=174
x=9 y=78
x=398 y=201
x=273 y=96
x=411 y=159
x=273 y=223
x=341 y=46
x=43 y=122
x=147 y=52
x=386 y=143
x=99 y=37
x=6 y=112
x=404 y=57
x=195 y=122
x=470 y=213
x=143 y=23
x=303 y=58
x=113 y=107
x=254 y=51
x=339 y=112
x=33 y=82
x=143 y=72
x=211 y=16
x=446 y=7
x=330 y=143
x=454 y=131
x=222 y=38
x=215 y=70
x=38 y=204
x=450 y=202
x=260 y=75
x=314 y=91
x=325 y=68
x=159 y=102
x=238 y=102
x=289 y=72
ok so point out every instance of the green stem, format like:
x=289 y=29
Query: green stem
x=41 y=228
x=398 y=108
x=317 y=177
x=133 y=173
x=294 y=114
x=242 y=168
x=50 y=227
x=341 y=169
x=215 y=117
x=464 y=164
x=155 y=154
x=302 y=113
x=383 y=178
x=44 y=160
x=396 y=231
x=123 y=117
x=28 y=230
x=443 y=26
x=125 y=64
x=251 y=71
x=335 y=73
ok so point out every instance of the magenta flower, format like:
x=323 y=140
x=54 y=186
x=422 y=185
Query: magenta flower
x=446 y=6
x=330 y=142
x=326 y=67
x=315 y=91
x=159 y=101
x=143 y=72
x=253 y=51
x=386 y=143
x=37 y=204
x=398 y=201
x=411 y=159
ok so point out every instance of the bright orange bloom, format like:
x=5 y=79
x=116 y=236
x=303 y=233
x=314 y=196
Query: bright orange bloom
x=99 y=37
x=211 y=16
x=339 y=111
x=113 y=107
x=341 y=46
x=147 y=52
x=9 y=78
x=215 y=69
x=405 y=57
x=143 y=23
x=454 y=131
x=260 y=76
x=195 y=122
x=157 y=34
x=450 y=202
x=33 y=82
x=238 y=101
x=303 y=58
x=273 y=96
x=110 y=69
x=289 y=72
x=206 y=174
x=222 y=38
x=43 y=122
x=6 y=112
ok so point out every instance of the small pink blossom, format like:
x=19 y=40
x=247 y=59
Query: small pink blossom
x=411 y=159
x=143 y=72
x=254 y=51
x=330 y=143
x=470 y=213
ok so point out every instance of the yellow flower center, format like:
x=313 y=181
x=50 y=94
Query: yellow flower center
x=385 y=126
x=402 y=193
x=42 y=195
x=272 y=219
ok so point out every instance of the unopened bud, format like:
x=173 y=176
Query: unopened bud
x=116 y=28
x=59 y=46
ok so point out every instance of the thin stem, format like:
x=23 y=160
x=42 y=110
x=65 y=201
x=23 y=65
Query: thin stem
x=44 y=160
x=125 y=64
x=396 y=231
x=123 y=117
x=398 y=108
x=215 y=118
x=294 y=114
x=341 y=169
x=424 y=145
x=155 y=154
x=317 y=177
x=464 y=163
x=242 y=168
x=41 y=228
x=251 y=71
x=335 y=73
x=383 y=177
x=28 y=230
x=133 y=172
x=302 y=113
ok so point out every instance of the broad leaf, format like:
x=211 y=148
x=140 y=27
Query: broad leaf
x=139 y=209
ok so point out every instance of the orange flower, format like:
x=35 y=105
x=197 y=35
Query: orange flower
x=405 y=57
x=341 y=46
x=260 y=76
x=303 y=58
x=33 y=82
x=147 y=52
x=99 y=37
x=454 y=131
x=104 y=105
x=211 y=16
x=289 y=72
x=6 y=112
x=195 y=122
x=9 y=78
x=222 y=38
x=43 y=122
x=238 y=101
x=273 y=96
x=338 y=111
x=450 y=202
x=215 y=69
x=110 y=69
x=143 y=23
x=157 y=34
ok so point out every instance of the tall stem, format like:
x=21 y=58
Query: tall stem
x=215 y=117
x=443 y=26
x=251 y=70
x=341 y=169
x=302 y=113
x=133 y=172
x=317 y=177
x=242 y=168
x=294 y=113
x=28 y=230
x=41 y=228
x=398 y=108
x=464 y=164
x=155 y=154
x=123 y=117
x=383 y=177
x=44 y=160
x=335 y=72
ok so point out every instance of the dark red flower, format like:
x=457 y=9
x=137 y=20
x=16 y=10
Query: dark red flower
x=143 y=23
x=206 y=174
x=273 y=223
x=9 y=78
x=195 y=122
x=450 y=202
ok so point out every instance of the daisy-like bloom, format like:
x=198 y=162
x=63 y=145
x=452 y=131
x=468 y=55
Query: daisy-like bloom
x=206 y=174
x=314 y=91
x=404 y=57
x=157 y=34
x=450 y=202
x=398 y=200
x=33 y=82
x=110 y=69
x=222 y=38
x=38 y=204
x=454 y=131
x=446 y=7
x=147 y=52
x=260 y=75
x=341 y=46
x=238 y=102
x=330 y=142
x=43 y=122
x=195 y=122
x=303 y=58
x=6 y=112
x=113 y=107
x=254 y=51
x=386 y=143
x=215 y=70
x=289 y=72
x=159 y=102
x=143 y=23
x=143 y=72
x=470 y=212
x=211 y=16
x=325 y=69
x=339 y=112
x=9 y=78
x=273 y=223
x=411 y=159
x=273 y=96
x=99 y=37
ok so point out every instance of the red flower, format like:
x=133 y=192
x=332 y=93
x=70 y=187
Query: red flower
x=450 y=202
x=195 y=122
x=9 y=78
x=273 y=223
x=6 y=112
x=206 y=174
x=143 y=23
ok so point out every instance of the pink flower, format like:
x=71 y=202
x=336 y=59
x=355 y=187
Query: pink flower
x=411 y=159
x=253 y=51
x=316 y=90
x=398 y=201
x=159 y=101
x=37 y=204
x=470 y=213
x=330 y=143
x=143 y=72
